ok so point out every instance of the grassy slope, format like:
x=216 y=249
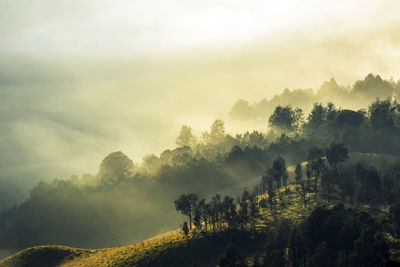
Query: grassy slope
x=172 y=248
x=169 y=249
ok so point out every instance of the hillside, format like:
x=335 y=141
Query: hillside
x=170 y=249
x=198 y=248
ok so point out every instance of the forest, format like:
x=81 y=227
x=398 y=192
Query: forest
x=318 y=185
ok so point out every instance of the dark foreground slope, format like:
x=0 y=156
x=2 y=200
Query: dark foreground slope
x=170 y=249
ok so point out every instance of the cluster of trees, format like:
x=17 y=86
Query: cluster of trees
x=374 y=130
x=97 y=210
x=212 y=163
x=219 y=213
x=335 y=236
x=338 y=232
x=358 y=96
x=338 y=236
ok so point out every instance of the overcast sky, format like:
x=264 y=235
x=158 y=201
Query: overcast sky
x=80 y=78
x=104 y=27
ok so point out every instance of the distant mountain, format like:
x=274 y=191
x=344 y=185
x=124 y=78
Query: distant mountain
x=358 y=96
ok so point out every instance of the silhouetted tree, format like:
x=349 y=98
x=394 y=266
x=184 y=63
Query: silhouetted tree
x=301 y=185
x=315 y=165
x=279 y=172
x=382 y=115
x=115 y=167
x=229 y=211
x=286 y=119
x=268 y=185
x=335 y=154
x=186 y=204
x=216 y=211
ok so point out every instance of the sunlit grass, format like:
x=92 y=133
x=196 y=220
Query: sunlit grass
x=170 y=248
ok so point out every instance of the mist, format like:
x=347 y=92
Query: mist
x=81 y=79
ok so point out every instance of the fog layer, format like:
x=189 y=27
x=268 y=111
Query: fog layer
x=79 y=79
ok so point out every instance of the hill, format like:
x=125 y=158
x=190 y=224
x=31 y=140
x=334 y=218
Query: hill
x=169 y=249
x=204 y=248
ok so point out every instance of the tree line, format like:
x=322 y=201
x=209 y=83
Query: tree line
x=338 y=232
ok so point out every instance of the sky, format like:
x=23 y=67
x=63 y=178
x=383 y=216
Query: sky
x=82 y=78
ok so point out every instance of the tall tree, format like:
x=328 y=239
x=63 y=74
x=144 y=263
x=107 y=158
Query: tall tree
x=186 y=204
x=301 y=185
x=216 y=211
x=268 y=185
x=315 y=164
x=229 y=211
x=186 y=137
x=279 y=172
x=217 y=132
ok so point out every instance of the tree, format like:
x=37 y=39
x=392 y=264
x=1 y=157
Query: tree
x=216 y=211
x=286 y=119
x=197 y=218
x=217 y=132
x=315 y=164
x=254 y=211
x=186 y=137
x=328 y=178
x=150 y=164
x=204 y=210
x=373 y=86
x=114 y=167
x=382 y=115
x=186 y=205
x=317 y=115
x=229 y=211
x=301 y=185
x=279 y=172
x=244 y=214
x=298 y=174
x=335 y=154
x=268 y=185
